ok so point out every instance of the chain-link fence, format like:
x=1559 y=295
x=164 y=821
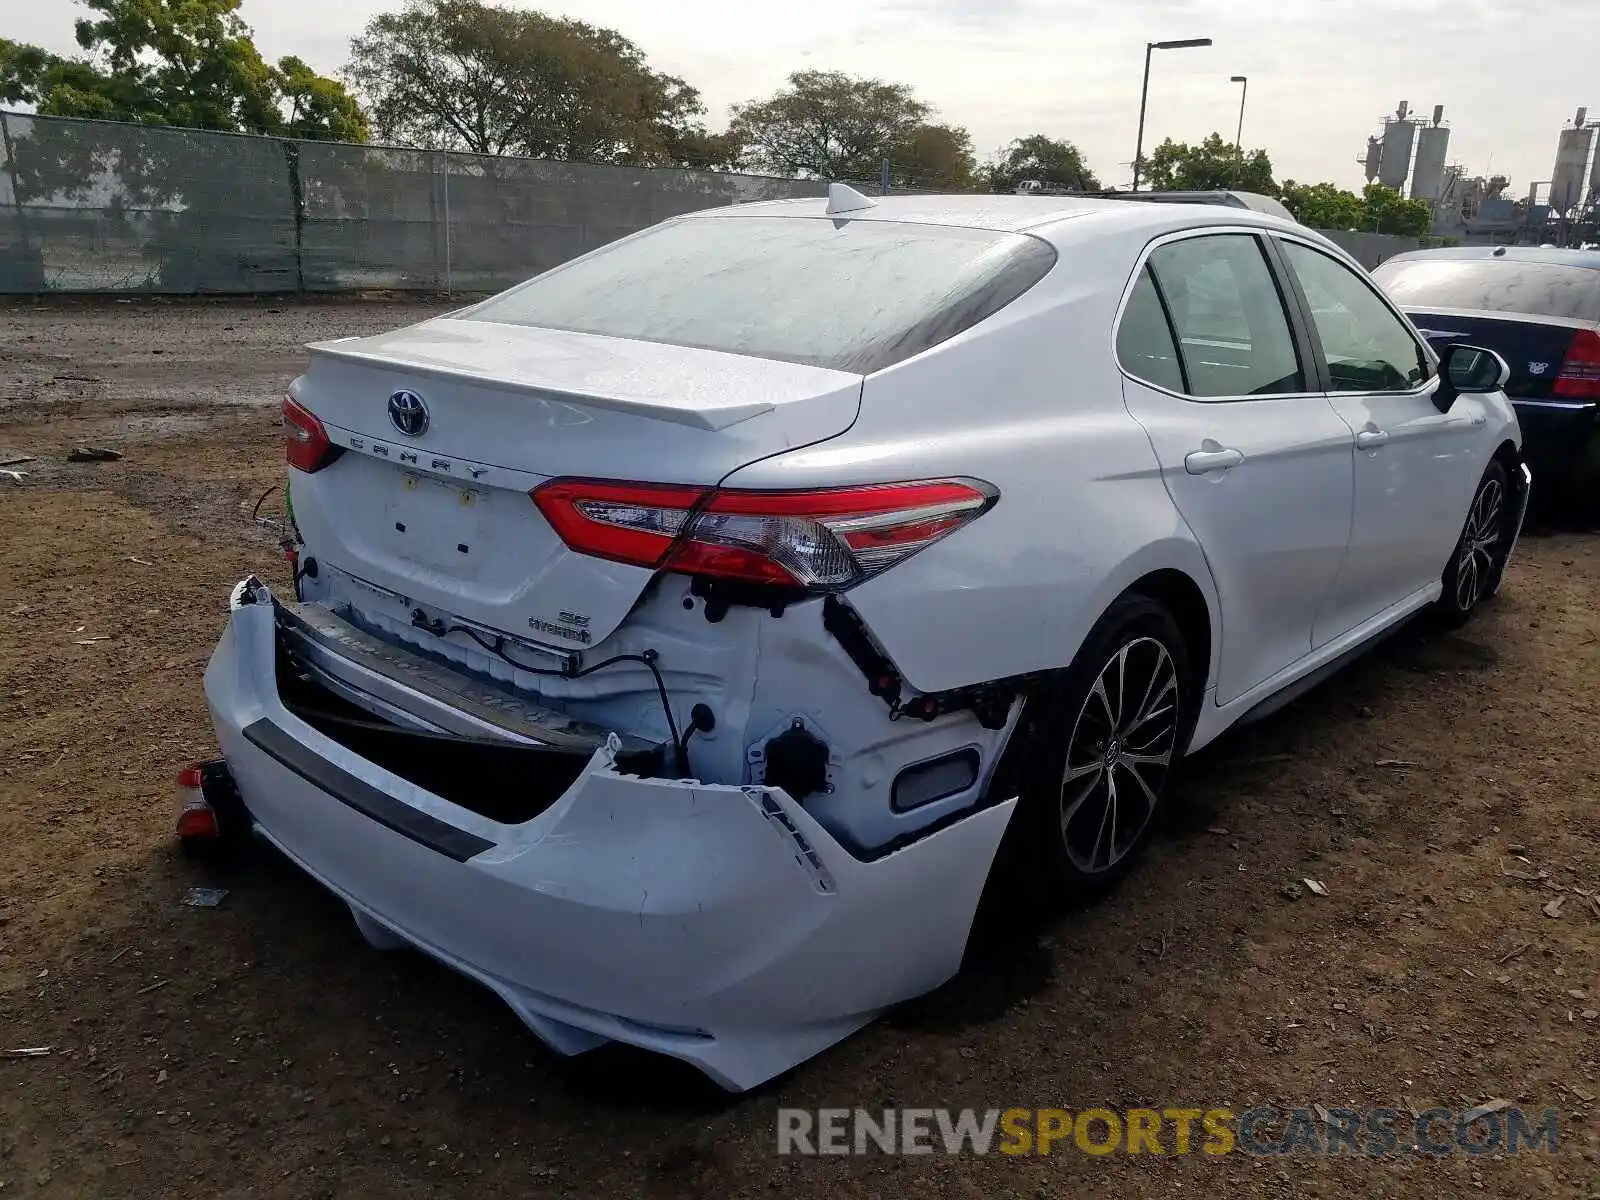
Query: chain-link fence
x=93 y=206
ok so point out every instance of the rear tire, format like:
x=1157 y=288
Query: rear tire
x=1480 y=555
x=1103 y=741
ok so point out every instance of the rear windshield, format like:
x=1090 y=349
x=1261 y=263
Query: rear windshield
x=849 y=295
x=1494 y=285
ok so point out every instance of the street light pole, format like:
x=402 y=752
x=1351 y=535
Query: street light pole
x=1238 y=140
x=1144 y=96
x=1144 y=93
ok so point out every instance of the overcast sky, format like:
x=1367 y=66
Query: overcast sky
x=1322 y=72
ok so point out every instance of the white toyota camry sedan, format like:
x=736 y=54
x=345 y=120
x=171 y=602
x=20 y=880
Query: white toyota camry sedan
x=677 y=635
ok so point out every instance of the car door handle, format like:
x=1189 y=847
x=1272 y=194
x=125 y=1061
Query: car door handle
x=1371 y=439
x=1211 y=458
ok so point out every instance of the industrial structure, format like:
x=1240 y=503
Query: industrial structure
x=1573 y=184
x=1564 y=210
x=1413 y=148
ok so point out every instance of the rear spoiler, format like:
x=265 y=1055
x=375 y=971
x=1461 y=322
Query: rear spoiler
x=729 y=412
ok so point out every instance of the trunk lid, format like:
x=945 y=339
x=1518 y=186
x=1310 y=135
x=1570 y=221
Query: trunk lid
x=1532 y=346
x=435 y=508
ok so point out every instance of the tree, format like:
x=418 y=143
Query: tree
x=64 y=86
x=1387 y=211
x=22 y=69
x=829 y=125
x=1378 y=209
x=190 y=63
x=1210 y=166
x=1045 y=159
x=463 y=75
x=706 y=151
x=314 y=106
x=935 y=158
x=1323 y=205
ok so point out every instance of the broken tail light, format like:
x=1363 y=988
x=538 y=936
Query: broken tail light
x=196 y=817
x=822 y=540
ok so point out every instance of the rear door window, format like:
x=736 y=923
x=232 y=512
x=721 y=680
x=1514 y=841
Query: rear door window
x=848 y=295
x=1233 y=333
x=1494 y=285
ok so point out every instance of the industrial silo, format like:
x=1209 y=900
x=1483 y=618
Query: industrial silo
x=1572 y=165
x=1373 y=156
x=1594 y=176
x=1395 y=163
x=1433 y=144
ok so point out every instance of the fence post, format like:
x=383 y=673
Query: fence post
x=11 y=164
x=449 y=280
x=433 y=213
x=885 y=177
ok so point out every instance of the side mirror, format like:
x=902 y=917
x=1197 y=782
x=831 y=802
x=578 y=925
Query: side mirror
x=1468 y=371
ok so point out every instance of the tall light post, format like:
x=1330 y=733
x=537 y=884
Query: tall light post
x=1238 y=140
x=1144 y=93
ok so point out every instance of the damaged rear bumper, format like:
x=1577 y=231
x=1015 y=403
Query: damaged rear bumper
x=721 y=925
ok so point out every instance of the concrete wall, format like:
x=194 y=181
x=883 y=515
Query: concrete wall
x=1370 y=249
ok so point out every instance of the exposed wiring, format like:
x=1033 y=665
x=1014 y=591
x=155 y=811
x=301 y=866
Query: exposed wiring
x=262 y=501
x=648 y=658
x=701 y=719
x=683 y=748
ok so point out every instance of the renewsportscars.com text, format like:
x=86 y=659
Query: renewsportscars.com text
x=1371 y=1132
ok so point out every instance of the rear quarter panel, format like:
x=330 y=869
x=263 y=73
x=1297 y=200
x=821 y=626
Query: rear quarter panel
x=1031 y=402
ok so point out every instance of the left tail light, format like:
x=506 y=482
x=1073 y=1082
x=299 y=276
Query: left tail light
x=306 y=446
x=824 y=540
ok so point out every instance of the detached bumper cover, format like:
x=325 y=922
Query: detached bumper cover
x=720 y=925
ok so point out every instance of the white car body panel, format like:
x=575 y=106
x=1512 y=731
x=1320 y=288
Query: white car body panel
x=1273 y=559
x=1410 y=492
x=580 y=405
x=1215 y=719
x=703 y=913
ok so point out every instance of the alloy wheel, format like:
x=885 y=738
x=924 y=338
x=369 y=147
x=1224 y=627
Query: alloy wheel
x=1119 y=754
x=1479 y=543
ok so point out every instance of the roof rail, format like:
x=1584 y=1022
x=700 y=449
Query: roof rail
x=1224 y=196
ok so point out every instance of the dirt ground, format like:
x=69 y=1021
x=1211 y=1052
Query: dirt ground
x=1443 y=790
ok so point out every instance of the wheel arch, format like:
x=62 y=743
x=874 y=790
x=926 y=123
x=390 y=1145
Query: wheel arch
x=1186 y=590
x=1175 y=574
x=1509 y=457
x=1181 y=596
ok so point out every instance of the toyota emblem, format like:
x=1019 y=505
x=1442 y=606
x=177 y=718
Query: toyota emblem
x=408 y=413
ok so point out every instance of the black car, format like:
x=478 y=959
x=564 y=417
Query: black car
x=1540 y=308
